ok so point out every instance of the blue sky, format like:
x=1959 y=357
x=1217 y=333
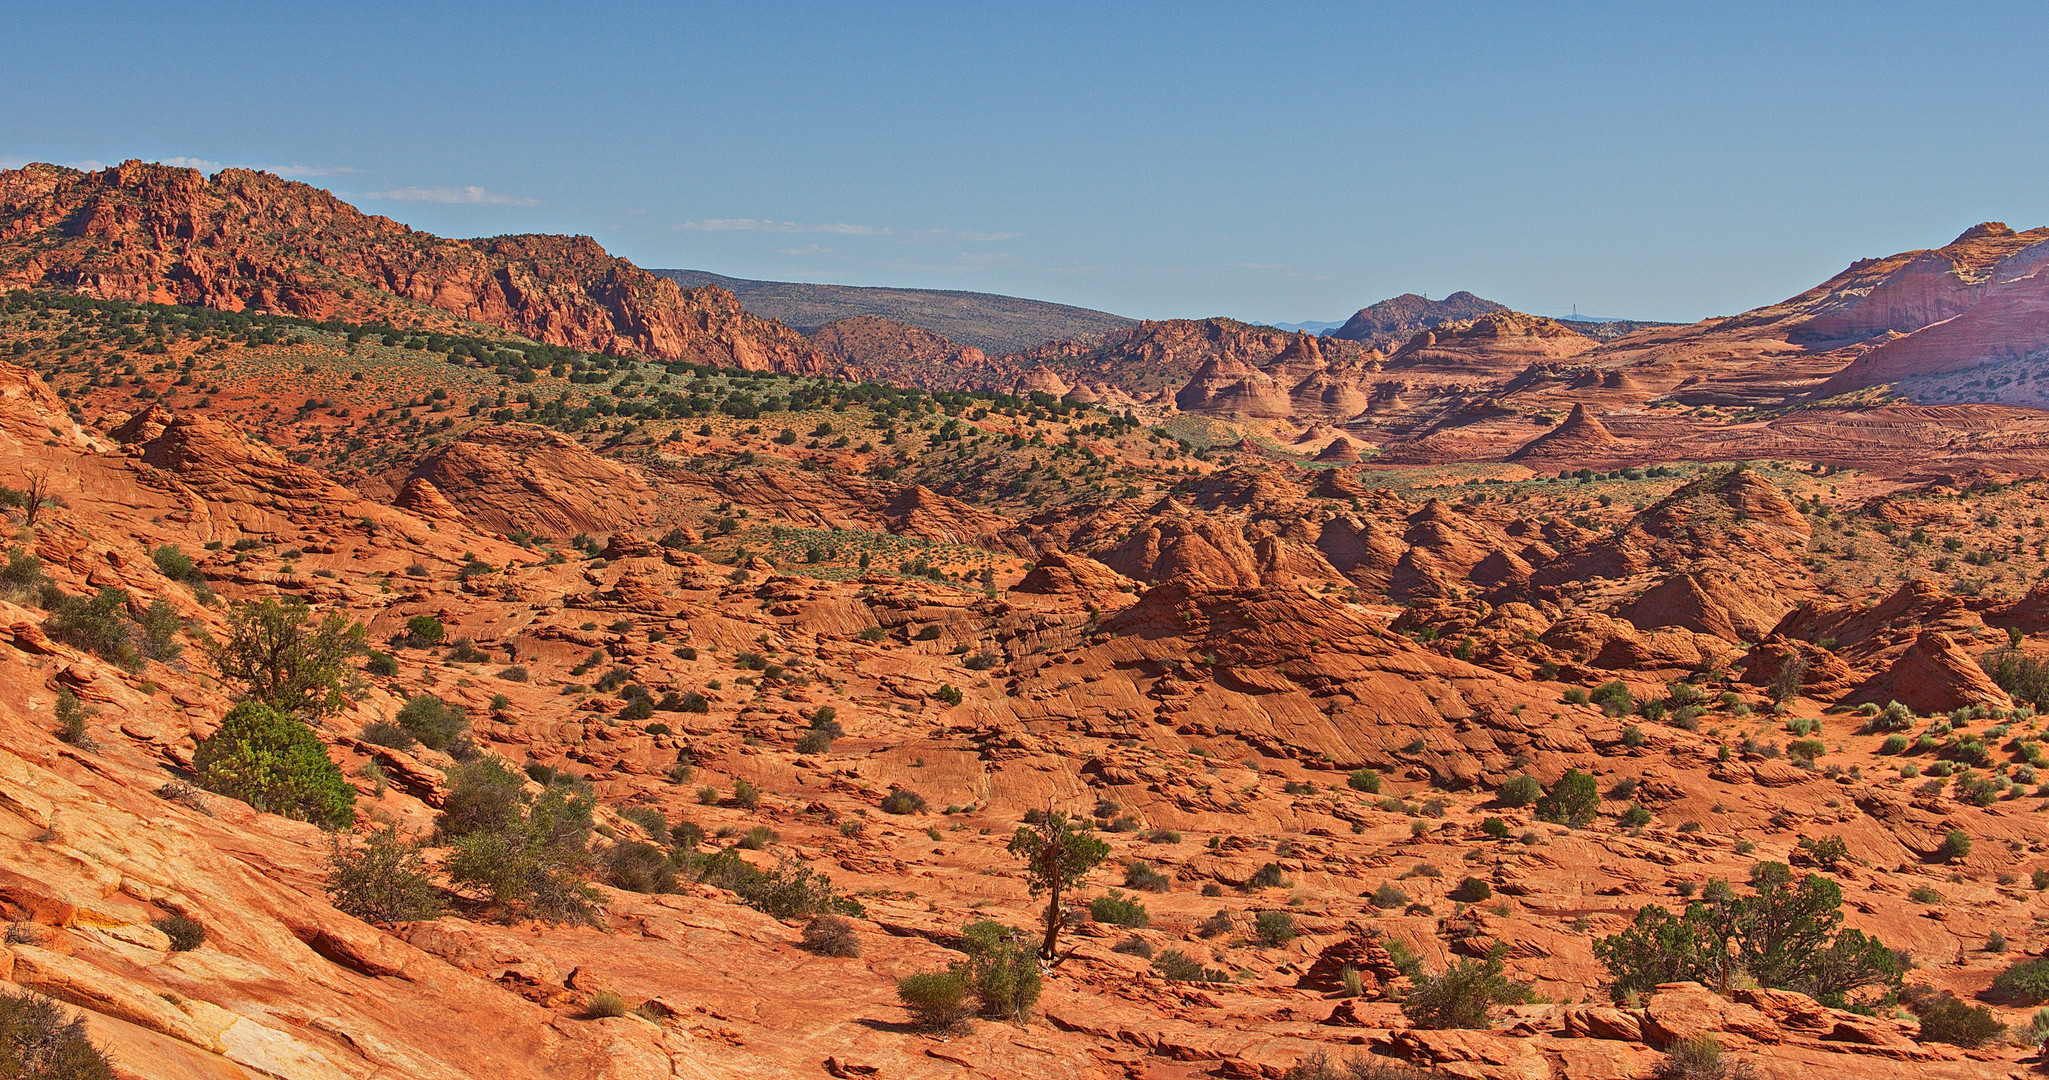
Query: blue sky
x=1275 y=162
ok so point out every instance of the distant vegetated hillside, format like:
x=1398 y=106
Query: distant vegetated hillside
x=997 y=325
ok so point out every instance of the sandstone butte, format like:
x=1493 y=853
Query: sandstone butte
x=1195 y=651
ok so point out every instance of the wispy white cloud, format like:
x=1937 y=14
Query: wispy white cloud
x=753 y=225
x=837 y=228
x=309 y=172
x=468 y=196
x=201 y=164
x=15 y=162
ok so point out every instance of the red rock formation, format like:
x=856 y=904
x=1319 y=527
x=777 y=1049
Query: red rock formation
x=249 y=240
x=1582 y=437
x=511 y=477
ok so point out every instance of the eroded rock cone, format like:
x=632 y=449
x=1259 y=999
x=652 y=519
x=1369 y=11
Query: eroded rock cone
x=1339 y=449
x=1581 y=436
x=1361 y=952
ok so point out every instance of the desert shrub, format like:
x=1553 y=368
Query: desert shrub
x=949 y=694
x=1134 y=946
x=483 y=796
x=1388 y=897
x=1634 y=817
x=384 y=880
x=386 y=733
x=424 y=631
x=1955 y=845
x=99 y=626
x=186 y=933
x=526 y=870
x=1575 y=696
x=1319 y=1066
x=871 y=634
x=1267 y=876
x=648 y=818
x=1273 y=927
x=831 y=935
x=381 y=663
x=434 y=722
x=40 y=1041
x=789 y=891
x=2024 y=983
x=746 y=796
x=605 y=1004
x=157 y=631
x=1520 y=791
x=937 y=1000
x=465 y=651
x=981 y=661
x=1219 y=923
x=1633 y=736
x=1473 y=890
x=1698 y=1058
x=1365 y=780
x=1828 y=851
x=1002 y=970
x=636 y=710
x=1922 y=894
x=1572 y=802
x=514 y=674
x=1117 y=909
x=276 y=764
x=1613 y=698
x=693 y=702
x=1495 y=827
x=71 y=717
x=903 y=801
x=1894 y=744
x=814 y=742
x=1463 y=996
x=639 y=867
x=1948 y=1020
x=1893 y=718
x=1177 y=966
x=1145 y=878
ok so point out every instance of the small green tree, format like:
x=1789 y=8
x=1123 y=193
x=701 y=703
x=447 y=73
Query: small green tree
x=1573 y=801
x=1057 y=858
x=1520 y=791
x=291 y=663
x=276 y=764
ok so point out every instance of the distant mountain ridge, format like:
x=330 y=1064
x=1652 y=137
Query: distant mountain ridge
x=1392 y=321
x=998 y=325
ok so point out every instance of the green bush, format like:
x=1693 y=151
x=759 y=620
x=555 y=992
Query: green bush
x=1365 y=780
x=434 y=722
x=1273 y=927
x=381 y=663
x=949 y=694
x=1948 y=1020
x=1955 y=845
x=1473 y=890
x=384 y=880
x=903 y=801
x=158 y=628
x=1177 y=966
x=1389 y=897
x=1268 y=876
x=71 y=717
x=99 y=626
x=1464 y=996
x=1002 y=969
x=1116 y=909
x=173 y=563
x=1613 y=698
x=639 y=867
x=424 y=631
x=1520 y=791
x=40 y=1041
x=186 y=933
x=937 y=1000
x=1894 y=717
x=275 y=764
x=1696 y=1058
x=1495 y=827
x=1572 y=802
x=2024 y=983
x=1143 y=877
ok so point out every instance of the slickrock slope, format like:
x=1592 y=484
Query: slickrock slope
x=248 y=240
